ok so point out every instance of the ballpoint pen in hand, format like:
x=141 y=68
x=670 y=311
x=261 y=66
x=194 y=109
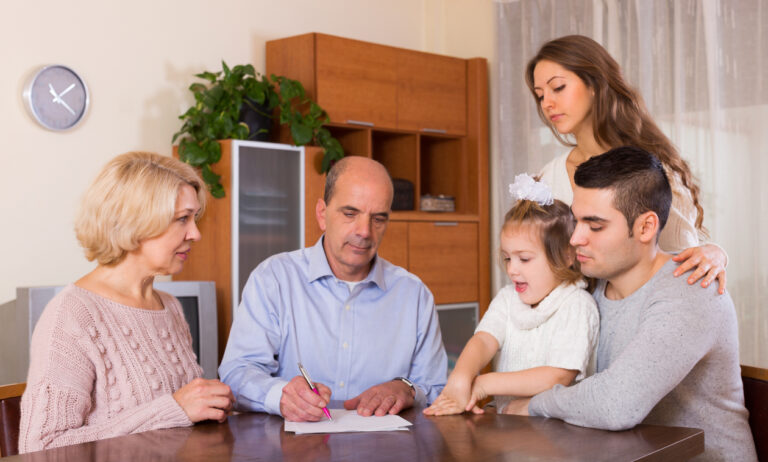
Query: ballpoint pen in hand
x=314 y=388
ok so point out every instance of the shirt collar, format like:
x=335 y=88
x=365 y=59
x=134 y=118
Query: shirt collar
x=319 y=267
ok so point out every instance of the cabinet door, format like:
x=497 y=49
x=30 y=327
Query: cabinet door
x=394 y=246
x=357 y=81
x=444 y=256
x=432 y=93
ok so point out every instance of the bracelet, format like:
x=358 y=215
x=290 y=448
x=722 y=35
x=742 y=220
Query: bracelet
x=407 y=382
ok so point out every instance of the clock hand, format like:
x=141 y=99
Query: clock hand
x=63 y=103
x=57 y=98
x=66 y=90
x=53 y=92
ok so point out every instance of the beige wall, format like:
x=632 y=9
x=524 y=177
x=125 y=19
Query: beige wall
x=138 y=58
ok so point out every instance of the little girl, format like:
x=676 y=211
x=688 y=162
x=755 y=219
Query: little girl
x=544 y=324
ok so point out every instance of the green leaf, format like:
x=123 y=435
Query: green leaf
x=326 y=164
x=290 y=89
x=197 y=88
x=217 y=190
x=209 y=176
x=209 y=76
x=301 y=134
x=241 y=131
x=194 y=154
x=214 y=151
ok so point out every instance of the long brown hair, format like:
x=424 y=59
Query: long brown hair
x=619 y=115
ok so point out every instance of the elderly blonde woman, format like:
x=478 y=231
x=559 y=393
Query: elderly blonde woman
x=110 y=355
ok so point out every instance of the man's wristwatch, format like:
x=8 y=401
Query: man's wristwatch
x=407 y=382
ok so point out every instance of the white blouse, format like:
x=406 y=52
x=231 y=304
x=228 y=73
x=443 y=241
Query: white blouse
x=562 y=331
x=680 y=231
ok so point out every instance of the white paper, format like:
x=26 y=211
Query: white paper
x=349 y=421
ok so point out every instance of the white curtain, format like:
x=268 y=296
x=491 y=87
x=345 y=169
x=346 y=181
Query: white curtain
x=702 y=67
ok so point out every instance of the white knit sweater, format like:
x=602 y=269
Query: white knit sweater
x=561 y=331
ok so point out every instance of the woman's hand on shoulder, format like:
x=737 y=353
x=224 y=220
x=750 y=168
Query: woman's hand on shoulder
x=205 y=399
x=708 y=262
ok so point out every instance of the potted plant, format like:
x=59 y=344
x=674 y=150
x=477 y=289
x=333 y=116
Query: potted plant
x=227 y=97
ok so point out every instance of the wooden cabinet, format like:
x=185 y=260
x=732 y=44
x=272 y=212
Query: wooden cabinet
x=425 y=118
x=362 y=83
x=444 y=255
x=356 y=81
x=392 y=248
x=431 y=93
x=261 y=214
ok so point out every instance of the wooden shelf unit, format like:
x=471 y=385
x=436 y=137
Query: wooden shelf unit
x=425 y=117
x=212 y=256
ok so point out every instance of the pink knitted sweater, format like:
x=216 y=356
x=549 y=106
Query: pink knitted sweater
x=99 y=369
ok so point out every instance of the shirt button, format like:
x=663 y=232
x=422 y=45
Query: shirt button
x=347 y=307
x=341 y=384
x=345 y=345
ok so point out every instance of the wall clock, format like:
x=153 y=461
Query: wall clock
x=57 y=97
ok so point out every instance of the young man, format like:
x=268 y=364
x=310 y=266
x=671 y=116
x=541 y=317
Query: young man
x=668 y=351
x=366 y=328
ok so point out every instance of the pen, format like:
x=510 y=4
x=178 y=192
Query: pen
x=314 y=388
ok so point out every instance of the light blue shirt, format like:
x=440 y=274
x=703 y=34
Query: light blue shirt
x=386 y=327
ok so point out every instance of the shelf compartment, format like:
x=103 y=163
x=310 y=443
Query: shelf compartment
x=445 y=169
x=398 y=153
x=355 y=141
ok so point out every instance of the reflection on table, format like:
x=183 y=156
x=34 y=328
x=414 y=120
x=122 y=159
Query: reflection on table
x=453 y=438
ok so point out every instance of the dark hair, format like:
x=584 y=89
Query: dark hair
x=555 y=223
x=619 y=115
x=637 y=179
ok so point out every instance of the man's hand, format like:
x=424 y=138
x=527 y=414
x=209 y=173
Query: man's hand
x=300 y=404
x=389 y=397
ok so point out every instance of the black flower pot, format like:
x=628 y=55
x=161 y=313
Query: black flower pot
x=258 y=117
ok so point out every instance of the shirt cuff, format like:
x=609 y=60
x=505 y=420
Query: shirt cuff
x=420 y=398
x=272 y=400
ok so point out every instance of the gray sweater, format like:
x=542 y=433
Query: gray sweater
x=669 y=355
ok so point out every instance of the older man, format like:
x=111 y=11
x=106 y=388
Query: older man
x=668 y=352
x=365 y=329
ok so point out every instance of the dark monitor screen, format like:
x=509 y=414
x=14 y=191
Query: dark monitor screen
x=191 y=312
x=457 y=325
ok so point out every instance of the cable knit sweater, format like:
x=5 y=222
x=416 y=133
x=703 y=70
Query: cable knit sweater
x=99 y=369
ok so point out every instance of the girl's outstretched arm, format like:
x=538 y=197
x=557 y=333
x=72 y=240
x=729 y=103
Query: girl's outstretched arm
x=525 y=383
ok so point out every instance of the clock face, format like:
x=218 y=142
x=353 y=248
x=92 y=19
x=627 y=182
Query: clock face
x=57 y=97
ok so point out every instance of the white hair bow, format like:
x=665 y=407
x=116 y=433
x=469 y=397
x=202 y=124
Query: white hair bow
x=526 y=188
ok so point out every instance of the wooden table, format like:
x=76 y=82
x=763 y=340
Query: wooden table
x=455 y=438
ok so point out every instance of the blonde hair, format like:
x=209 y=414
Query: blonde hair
x=555 y=225
x=132 y=199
